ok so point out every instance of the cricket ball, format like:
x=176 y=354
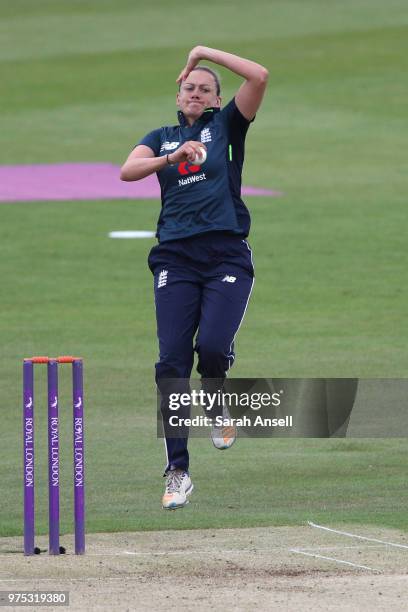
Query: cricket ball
x=200 y=159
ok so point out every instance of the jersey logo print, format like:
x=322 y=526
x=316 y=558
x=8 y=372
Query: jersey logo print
x=162 y=280
x=187 y=168
x=169 y=146
x=192 y=179
x=205 y=135
x=229 y=279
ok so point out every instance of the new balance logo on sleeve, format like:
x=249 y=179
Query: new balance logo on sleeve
x=162 y=280
x=229 y=279
x=169 y=146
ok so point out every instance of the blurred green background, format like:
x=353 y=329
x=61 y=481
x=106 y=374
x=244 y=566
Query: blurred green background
x=84 y=81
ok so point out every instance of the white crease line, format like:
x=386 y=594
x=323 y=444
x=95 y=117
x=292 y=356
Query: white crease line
x=164 y=553
x=301 y=552
x=353 y=535
x=253 y=550
x=31 y=580
x=198 y=552
x=236 y=550
x=341 y=547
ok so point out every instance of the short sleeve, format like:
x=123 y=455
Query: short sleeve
x=233 y=116
x=152 y=140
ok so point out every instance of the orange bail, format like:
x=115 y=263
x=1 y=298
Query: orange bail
x=68 y=359
x=62 y=359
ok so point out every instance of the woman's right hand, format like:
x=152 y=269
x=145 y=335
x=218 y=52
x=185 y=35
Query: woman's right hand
x=187 y=152
x=194 y=57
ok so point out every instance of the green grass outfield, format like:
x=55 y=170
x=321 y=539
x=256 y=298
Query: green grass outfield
x=83 y=81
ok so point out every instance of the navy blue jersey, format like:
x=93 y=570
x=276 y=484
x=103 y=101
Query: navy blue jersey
x=206 y=198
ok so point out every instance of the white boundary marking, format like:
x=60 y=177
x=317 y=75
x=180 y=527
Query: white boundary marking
x=360 y=537
x=301 y=552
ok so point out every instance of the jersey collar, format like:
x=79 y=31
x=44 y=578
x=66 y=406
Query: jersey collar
x=207 y=115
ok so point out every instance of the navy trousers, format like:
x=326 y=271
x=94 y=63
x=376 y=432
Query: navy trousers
x=202 y=287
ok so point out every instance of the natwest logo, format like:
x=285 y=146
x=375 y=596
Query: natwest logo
x=192 y=179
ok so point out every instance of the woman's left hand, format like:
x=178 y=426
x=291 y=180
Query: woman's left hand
x=194 y=57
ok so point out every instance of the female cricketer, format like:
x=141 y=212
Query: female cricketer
x=202 y=264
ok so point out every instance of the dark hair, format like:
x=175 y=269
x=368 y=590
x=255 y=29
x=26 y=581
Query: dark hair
x=214 y=74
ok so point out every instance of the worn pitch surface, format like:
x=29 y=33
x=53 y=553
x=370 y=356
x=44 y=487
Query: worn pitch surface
x=200 y=569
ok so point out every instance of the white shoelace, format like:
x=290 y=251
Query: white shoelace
x=174 y=481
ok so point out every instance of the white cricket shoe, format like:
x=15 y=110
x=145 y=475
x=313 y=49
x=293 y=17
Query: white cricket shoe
x=178 y=488
x=224 y=436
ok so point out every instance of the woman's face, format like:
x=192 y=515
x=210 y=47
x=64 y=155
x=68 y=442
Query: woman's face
x=197 y=92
